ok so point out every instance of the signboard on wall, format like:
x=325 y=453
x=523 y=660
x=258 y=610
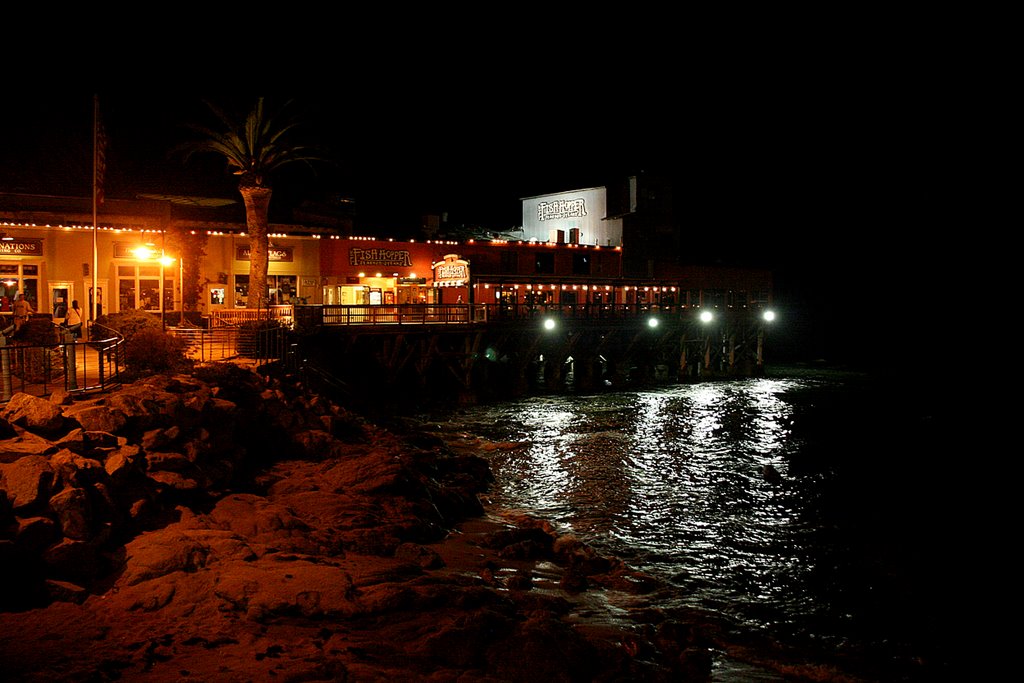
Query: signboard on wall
x=379 y=257
x=451 y=272
x=21 y=247
x=276 y=254
x=578 y=216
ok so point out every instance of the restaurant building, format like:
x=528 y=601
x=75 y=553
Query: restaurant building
x=571 y=255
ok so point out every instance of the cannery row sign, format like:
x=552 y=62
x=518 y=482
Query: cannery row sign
x=274 y=253
x=379 y=257
x=451 y=272
x=29 y=247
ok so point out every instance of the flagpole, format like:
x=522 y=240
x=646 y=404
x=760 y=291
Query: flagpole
x=95 y=181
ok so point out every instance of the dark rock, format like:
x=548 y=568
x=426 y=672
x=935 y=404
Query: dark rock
x=27 y=481
x=73 y=560
x=65 y=591
x=418 y=554
x=74 y=513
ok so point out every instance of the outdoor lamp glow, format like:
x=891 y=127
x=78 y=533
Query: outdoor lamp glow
x=768 y=315
x=706 y=317
x=549 y=324
x=652 y=322
x=143 y=253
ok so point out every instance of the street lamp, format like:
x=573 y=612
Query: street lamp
x=148 y=252
x=165 y=261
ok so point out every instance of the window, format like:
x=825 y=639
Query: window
x=139 y=287
x=544 y=263
x=19 y=278
x=581 y=264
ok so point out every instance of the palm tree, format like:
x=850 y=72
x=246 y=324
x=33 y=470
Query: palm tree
x=254 y=148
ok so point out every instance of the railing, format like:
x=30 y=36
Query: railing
x=208 y=344
x=397 y=314
x=69 y=364
x=238 y=316
x=312 y=316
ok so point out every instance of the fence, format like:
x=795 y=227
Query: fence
x=69 y=364
x=263 y=344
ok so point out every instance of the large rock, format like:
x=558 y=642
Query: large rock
x=27 y=481
x=275 y=588
x=74 y=470
x=23 y=445
x=261 y=522
x=33 y=413
x=174 y=549
x=98 y=418
x=74 y=513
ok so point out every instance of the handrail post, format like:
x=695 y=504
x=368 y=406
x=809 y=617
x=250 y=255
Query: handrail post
x=5 y=369
x=70 y=359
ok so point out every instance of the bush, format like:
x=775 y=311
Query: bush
x=130 y=323
x=151 y=351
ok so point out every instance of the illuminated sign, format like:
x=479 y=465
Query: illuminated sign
x=379 y=257
x=29 y=247
x=451 y=272
x=274 y=253
x=562 y=208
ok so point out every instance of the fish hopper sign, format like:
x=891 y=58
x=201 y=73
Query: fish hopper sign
x=451 y=272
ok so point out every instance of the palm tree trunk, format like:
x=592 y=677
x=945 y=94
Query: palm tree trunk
x=257 y=207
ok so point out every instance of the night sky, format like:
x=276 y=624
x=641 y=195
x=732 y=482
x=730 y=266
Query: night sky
x=829 y=188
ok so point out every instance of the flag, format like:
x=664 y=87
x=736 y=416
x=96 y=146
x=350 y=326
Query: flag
x=99 y=161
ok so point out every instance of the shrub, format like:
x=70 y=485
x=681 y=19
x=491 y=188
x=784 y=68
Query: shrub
x=129 y=323
x=150 y=351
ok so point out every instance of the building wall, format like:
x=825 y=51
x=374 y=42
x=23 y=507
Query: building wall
x=577 y=216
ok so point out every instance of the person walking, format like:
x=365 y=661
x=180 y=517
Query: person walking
x=22 y=311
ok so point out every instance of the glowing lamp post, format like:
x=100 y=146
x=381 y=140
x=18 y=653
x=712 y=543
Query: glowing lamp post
x=165 y=261
x=706 y=317
x=768 y=317
x=148 y=252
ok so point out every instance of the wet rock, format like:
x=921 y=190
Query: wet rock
x=419 y=555
x=270 y=589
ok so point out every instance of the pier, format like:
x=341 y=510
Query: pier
x=478 y=352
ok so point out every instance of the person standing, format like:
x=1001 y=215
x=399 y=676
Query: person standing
x=22 y=311
x=73 y=321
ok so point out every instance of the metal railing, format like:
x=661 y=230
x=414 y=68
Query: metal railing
x=239 y=316
x=208 y=344
x=70 y=364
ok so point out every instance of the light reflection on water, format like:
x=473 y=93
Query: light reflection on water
x=674 y=480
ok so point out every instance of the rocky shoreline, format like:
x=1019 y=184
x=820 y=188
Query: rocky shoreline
x=230 y=526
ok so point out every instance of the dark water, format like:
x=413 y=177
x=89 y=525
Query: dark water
x=809 y=509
